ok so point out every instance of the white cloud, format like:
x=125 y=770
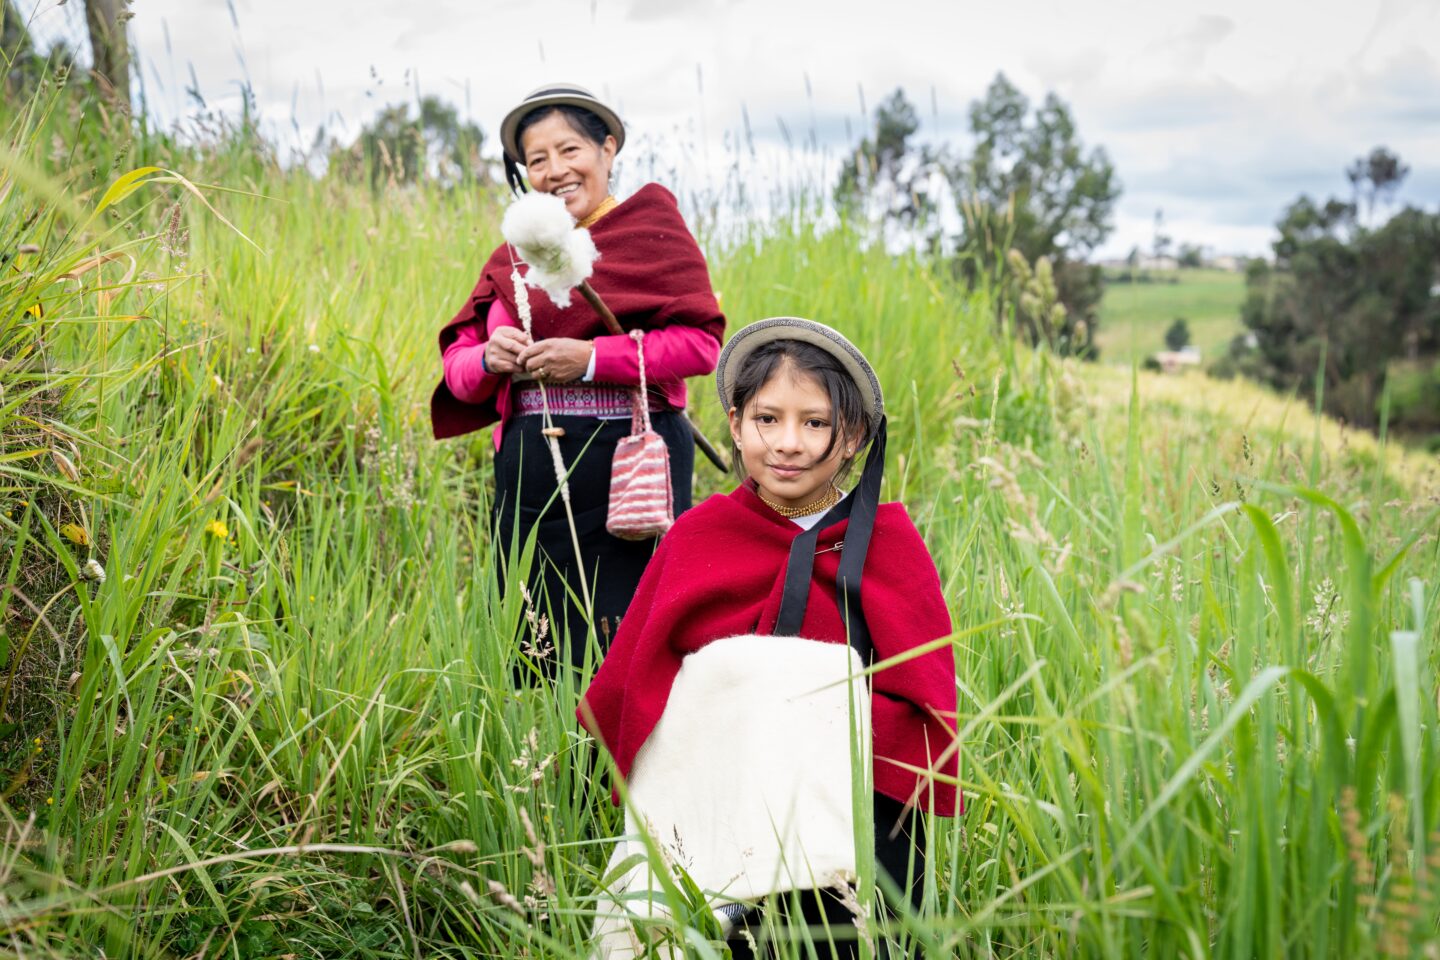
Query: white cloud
x=1189 y=48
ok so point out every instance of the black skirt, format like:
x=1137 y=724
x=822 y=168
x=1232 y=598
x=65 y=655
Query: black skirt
x=526 y=498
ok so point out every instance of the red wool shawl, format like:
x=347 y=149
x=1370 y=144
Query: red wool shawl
x=650 y=274
x=719 y=573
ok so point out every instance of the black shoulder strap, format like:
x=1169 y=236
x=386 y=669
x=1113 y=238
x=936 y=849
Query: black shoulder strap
x=860 y=506
x=800 y=567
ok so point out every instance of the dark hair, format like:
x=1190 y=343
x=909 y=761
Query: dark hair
x=847 y=406
x=584 y=122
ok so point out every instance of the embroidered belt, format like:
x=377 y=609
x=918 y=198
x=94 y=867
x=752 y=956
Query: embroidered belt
x=579 y=399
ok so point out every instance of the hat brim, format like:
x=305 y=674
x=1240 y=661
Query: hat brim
x=751 y=338
x=560 y=97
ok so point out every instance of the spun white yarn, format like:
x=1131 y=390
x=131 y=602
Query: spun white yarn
x=560 y=255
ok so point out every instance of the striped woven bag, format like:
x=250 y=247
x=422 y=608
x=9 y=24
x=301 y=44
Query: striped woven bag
x=642 y=504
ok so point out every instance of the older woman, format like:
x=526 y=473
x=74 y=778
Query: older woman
x=653 y=277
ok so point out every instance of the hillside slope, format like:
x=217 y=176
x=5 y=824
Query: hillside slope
x=1197 y=710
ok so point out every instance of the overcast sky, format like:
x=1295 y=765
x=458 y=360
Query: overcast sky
x=1218 y=113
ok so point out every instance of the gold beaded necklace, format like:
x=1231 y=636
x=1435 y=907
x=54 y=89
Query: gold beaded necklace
x=825 y=502
x=606 y=205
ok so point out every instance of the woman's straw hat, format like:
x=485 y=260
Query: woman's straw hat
x=747 y=340
x=557 y=95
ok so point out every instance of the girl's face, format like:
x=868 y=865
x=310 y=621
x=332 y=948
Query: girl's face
x=782 y=434
x=561 y=160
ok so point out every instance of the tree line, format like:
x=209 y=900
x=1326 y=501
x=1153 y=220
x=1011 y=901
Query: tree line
x=1348 y=312
x=396 y=146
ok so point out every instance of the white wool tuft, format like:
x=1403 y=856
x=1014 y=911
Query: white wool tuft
x=561 y=256
x=537 y=220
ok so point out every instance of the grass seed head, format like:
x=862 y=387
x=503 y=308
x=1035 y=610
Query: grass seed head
x=65 y=465
x=503 y=897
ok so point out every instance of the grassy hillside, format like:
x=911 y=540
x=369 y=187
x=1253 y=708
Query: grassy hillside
x=1195 y=642
x=1135 y=316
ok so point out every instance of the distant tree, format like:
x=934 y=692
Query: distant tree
x=1177 y=337
x=15 y=39
x=1030 y=185
x=1378 y=176
x=435 y=143
x=17 y=49
x=110 y=46
x=1191 y=256
x=1160 y=240
x=889 y=177
x=1359 y=297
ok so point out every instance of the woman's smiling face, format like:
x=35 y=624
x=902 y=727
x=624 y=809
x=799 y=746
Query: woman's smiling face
x=782 y=435
x=563 y=161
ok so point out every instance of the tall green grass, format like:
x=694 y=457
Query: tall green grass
x=285 y=721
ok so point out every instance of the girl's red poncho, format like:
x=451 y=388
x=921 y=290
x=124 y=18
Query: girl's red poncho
x=719 y=573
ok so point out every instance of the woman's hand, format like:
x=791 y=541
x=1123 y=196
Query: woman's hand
x=557 y=359
x=502 y=351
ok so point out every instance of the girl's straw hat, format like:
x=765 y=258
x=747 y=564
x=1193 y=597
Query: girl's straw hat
x=557 y=95
x=747 y=340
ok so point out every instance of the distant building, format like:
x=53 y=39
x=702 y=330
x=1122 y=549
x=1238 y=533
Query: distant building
x=1234 y=263
x=1175 y=361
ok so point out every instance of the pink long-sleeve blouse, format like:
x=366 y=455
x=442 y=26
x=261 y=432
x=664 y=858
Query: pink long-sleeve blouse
x=672 y=353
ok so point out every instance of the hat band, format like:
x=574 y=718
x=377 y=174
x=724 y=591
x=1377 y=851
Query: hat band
x=561 y=91
x=743 y=345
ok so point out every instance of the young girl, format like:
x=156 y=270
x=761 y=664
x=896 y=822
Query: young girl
x=743 y=578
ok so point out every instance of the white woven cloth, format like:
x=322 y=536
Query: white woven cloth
x=746 y=780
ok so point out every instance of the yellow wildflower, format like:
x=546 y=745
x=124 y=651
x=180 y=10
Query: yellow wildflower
x=217 y=529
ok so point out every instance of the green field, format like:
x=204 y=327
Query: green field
x=1135 y=316
x=1196 y=642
